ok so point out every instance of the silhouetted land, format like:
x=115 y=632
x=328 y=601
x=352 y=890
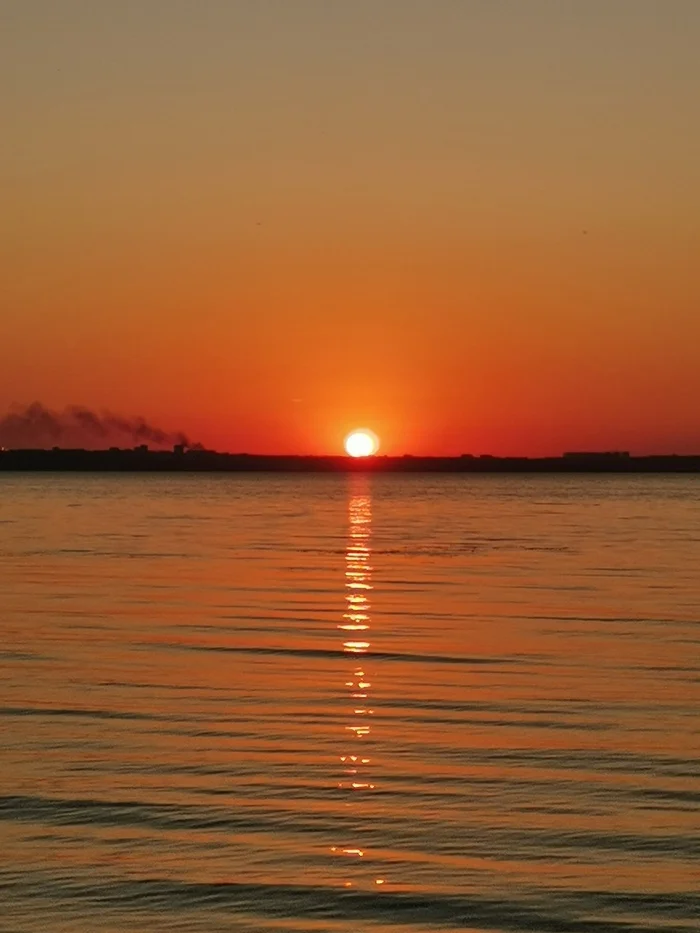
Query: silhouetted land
x=141 y=459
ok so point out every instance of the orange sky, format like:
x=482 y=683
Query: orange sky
x=470 y=226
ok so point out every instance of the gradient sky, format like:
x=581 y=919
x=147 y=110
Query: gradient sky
x=472 y=225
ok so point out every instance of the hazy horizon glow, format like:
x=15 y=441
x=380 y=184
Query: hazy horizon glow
x=473 y=225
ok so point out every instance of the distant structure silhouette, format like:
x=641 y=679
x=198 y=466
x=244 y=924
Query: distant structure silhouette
x=194 y=460
x=596 y=455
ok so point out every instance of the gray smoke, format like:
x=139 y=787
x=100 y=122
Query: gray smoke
x=76 y=426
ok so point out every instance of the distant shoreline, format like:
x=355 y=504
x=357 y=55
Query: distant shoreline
x=142 y=460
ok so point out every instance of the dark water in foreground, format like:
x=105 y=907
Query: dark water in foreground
x=270 y=703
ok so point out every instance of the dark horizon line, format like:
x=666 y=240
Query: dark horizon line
x=182 y=459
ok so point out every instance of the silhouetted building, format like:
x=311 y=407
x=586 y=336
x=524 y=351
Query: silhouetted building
x=596 y=454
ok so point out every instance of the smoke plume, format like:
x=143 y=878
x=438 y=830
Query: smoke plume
x=76 y=426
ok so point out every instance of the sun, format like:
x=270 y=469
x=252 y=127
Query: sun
x=361 y=443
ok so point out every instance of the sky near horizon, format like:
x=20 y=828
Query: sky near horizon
x=470 y=225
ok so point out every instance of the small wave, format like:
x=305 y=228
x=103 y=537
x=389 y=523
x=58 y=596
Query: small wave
x=85 y=812
x=340 y=653
x=568 y=913
x=22 y=656
x=48 y=711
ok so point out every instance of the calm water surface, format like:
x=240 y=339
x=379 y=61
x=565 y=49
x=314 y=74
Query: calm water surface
x=407 y=704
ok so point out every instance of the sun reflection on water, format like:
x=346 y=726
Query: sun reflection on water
x=356 y=760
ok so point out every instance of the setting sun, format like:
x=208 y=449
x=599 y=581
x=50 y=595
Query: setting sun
x=361 y=443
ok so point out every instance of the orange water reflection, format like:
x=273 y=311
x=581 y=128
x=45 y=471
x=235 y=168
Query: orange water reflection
x=356 y=760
